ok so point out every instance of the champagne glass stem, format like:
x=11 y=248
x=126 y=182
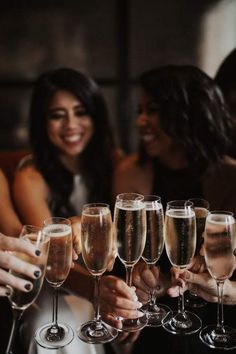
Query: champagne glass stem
x=96 y=298
x=55 y=307
x=129 y=271
x=181 y=307
x=55 y=333
x=220 y=311
x=16 y=318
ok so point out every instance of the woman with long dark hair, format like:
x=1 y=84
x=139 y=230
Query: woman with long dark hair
x=73 y=157
x=185 y=132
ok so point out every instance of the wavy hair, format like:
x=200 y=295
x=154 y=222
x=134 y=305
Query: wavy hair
x=192 y=112
x=96 y=161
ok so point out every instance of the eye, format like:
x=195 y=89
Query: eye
x=56 y=115
x=81 y=112
x=153 y=107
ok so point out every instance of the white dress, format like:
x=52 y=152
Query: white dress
x=72 y=309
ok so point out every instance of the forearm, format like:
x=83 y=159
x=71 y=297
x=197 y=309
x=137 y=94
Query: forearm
x=80 y=282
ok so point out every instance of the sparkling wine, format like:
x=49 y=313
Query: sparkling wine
x=180 y=237
x=219 y=248
x=60 y=253
x=97 y=235
x=130 y=232
x=154 y=236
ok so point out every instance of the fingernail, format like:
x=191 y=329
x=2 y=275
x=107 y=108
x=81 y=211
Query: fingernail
x=139 y=304
x=37 y=252
x=37 y=273
x=28 y=286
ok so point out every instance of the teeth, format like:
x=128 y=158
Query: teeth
x=148 y=137
x=73 y=138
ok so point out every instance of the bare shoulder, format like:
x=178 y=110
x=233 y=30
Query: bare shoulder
x=128 y=164
x=28 y=177
x=130 y=176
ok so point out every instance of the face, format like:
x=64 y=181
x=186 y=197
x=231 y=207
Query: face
x=156 y=142
x=69 y=126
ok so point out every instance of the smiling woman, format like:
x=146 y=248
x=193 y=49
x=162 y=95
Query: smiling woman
x=73 y=155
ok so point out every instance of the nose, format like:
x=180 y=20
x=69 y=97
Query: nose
x=142 y=119
x=71 y=120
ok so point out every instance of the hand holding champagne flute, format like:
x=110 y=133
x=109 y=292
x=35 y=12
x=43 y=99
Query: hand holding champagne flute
x=201 y=208
x=219 y=245
x=57 y=335
x=180 y=242
x=97 y=246
x=20 y=300
x=130 y=228
x=153 y=249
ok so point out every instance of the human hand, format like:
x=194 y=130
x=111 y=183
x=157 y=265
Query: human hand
x=9 y=261
x=146 y=278
x=76 y=236
x=117 y=299
x=178 y=283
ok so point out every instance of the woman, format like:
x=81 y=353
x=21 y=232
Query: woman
x=184 y=132
x=72 y=162
x=225 y=78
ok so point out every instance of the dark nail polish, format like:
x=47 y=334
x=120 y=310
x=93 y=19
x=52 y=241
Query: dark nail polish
x=37 y=252
x=37 y=273
x=8 y=292
x=28 y=286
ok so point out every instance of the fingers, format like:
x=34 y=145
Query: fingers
x=76 y=233
x=8 y=243
x=4 y=291
x=15 y=282
x=15 y=264
x=117 y=298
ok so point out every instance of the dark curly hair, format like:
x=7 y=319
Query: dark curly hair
x=192 y=111
x=226 y=74
x=95 y=161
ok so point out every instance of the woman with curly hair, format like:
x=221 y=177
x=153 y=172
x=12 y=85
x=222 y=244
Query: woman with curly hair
x=185 y=132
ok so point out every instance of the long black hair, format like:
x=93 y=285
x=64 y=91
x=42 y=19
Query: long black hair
x=191 y=110
x=95 y=161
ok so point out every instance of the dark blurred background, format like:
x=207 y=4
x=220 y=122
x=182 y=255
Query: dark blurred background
x=111 y=40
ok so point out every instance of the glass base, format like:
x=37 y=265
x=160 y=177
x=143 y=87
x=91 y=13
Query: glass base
x=155 y=313
x=96 y=333
x=194 y=301
x=176 y=323
x=42 y=337
x=216 y=339
x=135 y=324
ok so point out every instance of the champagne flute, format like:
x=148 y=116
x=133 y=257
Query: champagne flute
x=180 y=242
x=219 y=245
x=201 y=208
x=153 y=249
x=20 y=300
x=97 y=246
x=56 y=335
x=130 y=227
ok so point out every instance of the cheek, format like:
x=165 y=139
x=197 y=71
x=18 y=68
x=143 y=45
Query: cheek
x=89 y=129
x=52 y=131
